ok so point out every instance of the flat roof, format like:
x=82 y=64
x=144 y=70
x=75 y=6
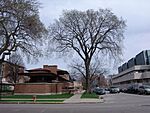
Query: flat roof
x=134 y=68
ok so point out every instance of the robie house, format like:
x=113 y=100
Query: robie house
x=46 y=80
x=135 y=71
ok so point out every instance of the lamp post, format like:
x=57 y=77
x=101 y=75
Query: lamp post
x=1 y=75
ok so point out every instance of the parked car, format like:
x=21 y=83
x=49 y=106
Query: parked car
x=124 y=90
x=132 y=89
x=107 y=90
x=114 y=90
x=99 y=91
x=144 y=89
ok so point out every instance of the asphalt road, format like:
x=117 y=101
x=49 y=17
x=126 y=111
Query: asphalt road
x=114 y=103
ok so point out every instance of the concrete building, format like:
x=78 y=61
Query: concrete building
x=135 y=71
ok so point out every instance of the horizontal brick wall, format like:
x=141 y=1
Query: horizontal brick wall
x=40 y=88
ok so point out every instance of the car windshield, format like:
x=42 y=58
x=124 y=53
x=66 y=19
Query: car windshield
x=114 y=87
x=99 y=88
x=147 y=87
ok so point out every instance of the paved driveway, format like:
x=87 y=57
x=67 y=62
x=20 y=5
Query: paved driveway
x=114 y=103
x=127 y=99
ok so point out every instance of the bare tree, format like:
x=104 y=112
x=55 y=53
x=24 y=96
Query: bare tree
x=97 y=69
x=16 y=65
x=88 y=33
x=17 y=59
x=20 y=27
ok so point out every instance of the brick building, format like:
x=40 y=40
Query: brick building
x=10 y=73
x=46 y=80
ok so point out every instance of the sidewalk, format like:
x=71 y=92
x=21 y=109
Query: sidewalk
x=77 y=99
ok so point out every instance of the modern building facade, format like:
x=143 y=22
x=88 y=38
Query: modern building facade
x=135 y=71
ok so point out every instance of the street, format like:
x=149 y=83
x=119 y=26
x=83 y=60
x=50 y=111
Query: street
x=114 y=103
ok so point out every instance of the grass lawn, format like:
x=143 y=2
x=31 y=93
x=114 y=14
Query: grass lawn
x=47 y=101
x=90 y=95
x=56 y=96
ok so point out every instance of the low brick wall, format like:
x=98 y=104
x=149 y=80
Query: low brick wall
x=38 y=88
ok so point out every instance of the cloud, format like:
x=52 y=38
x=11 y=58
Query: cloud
x=135 y=12
x=135 y=44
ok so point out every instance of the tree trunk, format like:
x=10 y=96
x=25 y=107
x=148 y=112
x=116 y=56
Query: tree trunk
x=87 y=67
x=1 y=62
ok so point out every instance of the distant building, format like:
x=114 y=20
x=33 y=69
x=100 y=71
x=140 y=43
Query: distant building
x=9 y=76
x=102 y=81
x=99 y=81
x=135 y=71
x=109 y=80
x=10 y=72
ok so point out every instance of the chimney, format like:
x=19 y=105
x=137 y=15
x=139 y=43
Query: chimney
x=52 y=68
x=45 y=66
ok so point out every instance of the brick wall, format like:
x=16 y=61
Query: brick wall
x=52 y=68
x=9 y=68
x=39 y=88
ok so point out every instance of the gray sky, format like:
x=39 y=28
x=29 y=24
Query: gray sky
x=135 y=12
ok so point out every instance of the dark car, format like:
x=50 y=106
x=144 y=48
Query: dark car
x=133 y=89
x=114 y=90
x=99 y=91
x=144 y=89
x=124 y=90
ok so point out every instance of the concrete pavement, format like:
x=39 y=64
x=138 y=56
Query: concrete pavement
x=77 y=99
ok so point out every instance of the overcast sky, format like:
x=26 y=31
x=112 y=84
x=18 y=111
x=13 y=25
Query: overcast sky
x=135 y=12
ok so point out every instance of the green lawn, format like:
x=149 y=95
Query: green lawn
x=56 y=96
x=90 y=95
x=47 y=101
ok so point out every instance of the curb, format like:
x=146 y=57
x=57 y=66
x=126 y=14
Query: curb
x=31 y=103
x=51 y=102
